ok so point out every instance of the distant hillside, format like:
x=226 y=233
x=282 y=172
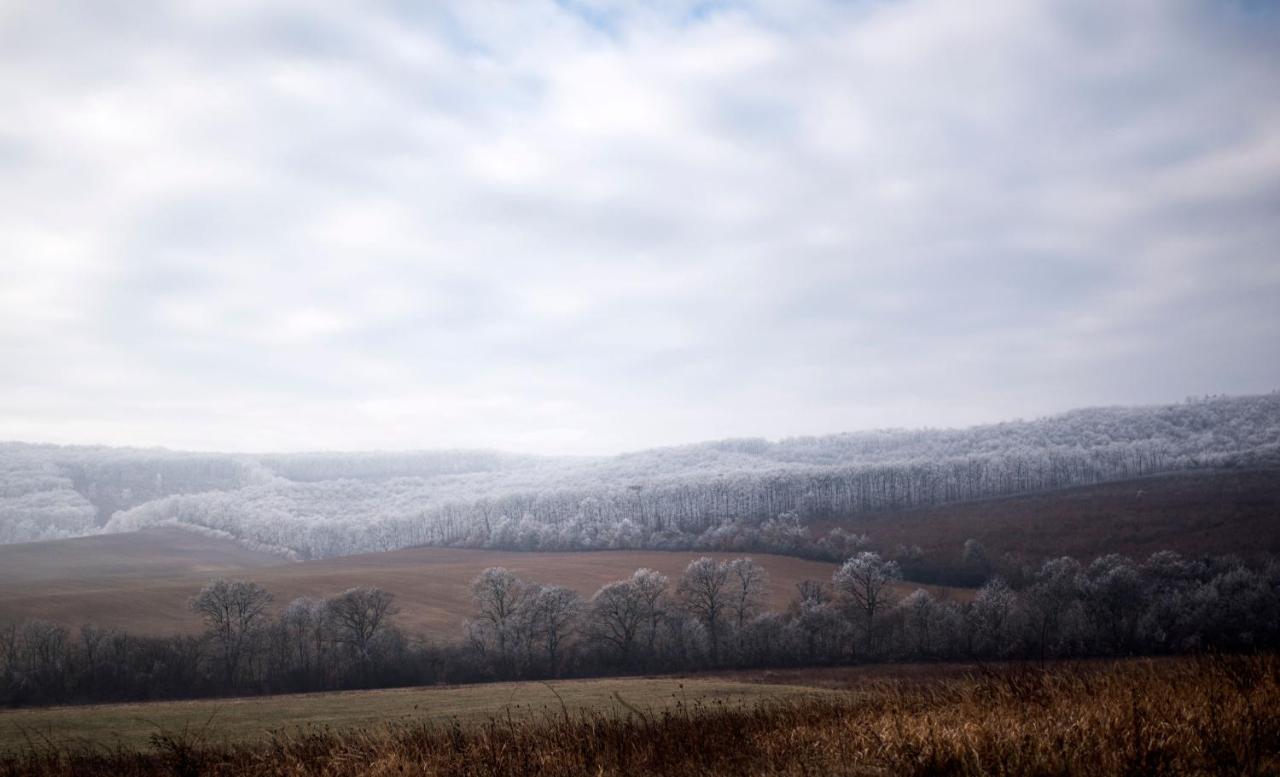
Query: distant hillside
x=1201 y=512
x=319 y=505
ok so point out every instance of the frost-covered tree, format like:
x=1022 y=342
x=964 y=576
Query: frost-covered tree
x=552 y=612
x=627 y=614
x=498 y=595
x=866 y=584
x=705 y=592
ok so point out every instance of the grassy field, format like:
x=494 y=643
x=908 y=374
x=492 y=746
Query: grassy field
x=1174 y=716
x=251 y=719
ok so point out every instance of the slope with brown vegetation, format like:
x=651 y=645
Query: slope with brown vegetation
x=1190 y=716
x=1208 y=512
x=430 y=584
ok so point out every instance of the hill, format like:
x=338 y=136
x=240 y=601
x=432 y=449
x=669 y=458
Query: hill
x=318 y=505
x=1195 y=513
x=430 y=584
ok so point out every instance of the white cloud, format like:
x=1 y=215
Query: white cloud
x=596 y=226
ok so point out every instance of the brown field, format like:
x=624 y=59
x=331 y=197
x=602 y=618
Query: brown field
x=153 y=553
x=430 y=584
x=1218 y=512
x=1134 y=717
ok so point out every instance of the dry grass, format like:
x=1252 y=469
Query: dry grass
x=250 y=719
x=1218 y=716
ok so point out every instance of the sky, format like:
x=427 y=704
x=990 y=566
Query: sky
x=592 y=226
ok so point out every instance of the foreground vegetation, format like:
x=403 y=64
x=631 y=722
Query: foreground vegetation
x=249 y=720
x=1175 y=716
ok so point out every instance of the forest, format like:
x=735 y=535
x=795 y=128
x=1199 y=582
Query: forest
x=711 y=617
x=316 y=505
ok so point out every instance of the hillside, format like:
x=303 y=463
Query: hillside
x=1212 y=512
x=430 y=584
x=318 y=505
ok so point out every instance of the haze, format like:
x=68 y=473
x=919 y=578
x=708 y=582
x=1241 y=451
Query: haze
x=584 y=228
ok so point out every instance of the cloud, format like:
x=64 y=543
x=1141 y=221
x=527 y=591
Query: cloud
x=595 y=226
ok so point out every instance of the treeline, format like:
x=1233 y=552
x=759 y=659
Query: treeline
x=713 y=616
x=320 y=505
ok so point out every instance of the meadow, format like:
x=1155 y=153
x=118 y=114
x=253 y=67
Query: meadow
x=1135 y=717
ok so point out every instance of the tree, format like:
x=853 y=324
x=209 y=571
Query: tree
x=923 y=623
x=553 y=614
x=865 y=583
x=748 y=587
x=1049 y=602
x=704 y=590
x=1114 y=596
x=617 y=613
x=232 y=613
x=626 y=614
x=818 y=624
x=305 y=624
x=359 y=615
x=989 y=619
x=498 y=595
x=975 y=560
x=651 y=589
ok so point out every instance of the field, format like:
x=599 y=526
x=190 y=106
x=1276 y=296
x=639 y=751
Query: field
x=1134 y=717
x=1212 y=512
x=251 y=719
x=78 y=581
x=145 y=555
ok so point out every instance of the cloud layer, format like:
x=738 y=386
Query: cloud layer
x=583 y=227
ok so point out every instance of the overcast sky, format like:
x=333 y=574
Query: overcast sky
x=582 y=227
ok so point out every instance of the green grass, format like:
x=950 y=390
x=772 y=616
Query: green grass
x=252 y=719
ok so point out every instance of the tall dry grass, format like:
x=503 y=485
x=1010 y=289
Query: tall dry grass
x=1189 y=716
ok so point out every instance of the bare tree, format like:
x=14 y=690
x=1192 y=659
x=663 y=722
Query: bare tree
x=923 y=622
x=617 y=615
x=232 y=612
x=865 y=582
x=704 y=590
x=498 y=596
x=748 y=587
x=553 y=613
x=358 y=616
x=305 y=623
x=651 y=590
x=989 y=616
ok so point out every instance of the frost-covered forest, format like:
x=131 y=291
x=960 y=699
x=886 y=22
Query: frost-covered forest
x=314 y=505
